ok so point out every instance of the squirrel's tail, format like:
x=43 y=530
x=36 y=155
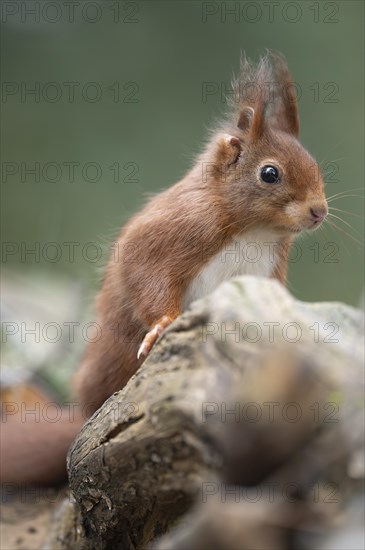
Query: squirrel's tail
x=34 y=452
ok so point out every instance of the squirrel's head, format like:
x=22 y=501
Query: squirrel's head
x=261 y=171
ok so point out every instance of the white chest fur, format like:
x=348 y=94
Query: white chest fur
x=254 y=253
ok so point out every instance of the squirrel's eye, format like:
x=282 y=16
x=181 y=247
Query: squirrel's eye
x=269 y=174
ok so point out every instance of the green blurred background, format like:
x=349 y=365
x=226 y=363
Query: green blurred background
x=160 y=54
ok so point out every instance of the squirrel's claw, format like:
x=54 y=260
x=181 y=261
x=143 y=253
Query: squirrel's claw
x=143 y=350
x=152 y=335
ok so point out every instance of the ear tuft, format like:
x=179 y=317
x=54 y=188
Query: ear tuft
x=258 y=105
x=250 y=93
x=284 y=113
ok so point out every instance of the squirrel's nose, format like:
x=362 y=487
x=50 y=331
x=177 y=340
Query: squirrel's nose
x=318 y=213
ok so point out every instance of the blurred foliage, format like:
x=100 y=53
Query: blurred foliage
x=161 y=53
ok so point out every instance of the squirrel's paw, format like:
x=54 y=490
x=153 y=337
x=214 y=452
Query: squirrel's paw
x=152 y=335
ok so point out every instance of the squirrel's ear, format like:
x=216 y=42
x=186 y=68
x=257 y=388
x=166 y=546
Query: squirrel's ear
x=251 y=120
x=259 y=104
x=250 y=103
x=229 y=149
x=285 y=113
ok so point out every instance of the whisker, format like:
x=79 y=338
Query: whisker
x=333 y=224
x=346 y=191
x=346 y=212
x=338 y=197
x=334 y=228
x=346 y=223
x=322 y=228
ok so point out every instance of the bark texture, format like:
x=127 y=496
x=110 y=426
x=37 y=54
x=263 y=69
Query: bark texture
x=243 y=429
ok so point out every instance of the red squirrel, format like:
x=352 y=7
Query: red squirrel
x=254 y=183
